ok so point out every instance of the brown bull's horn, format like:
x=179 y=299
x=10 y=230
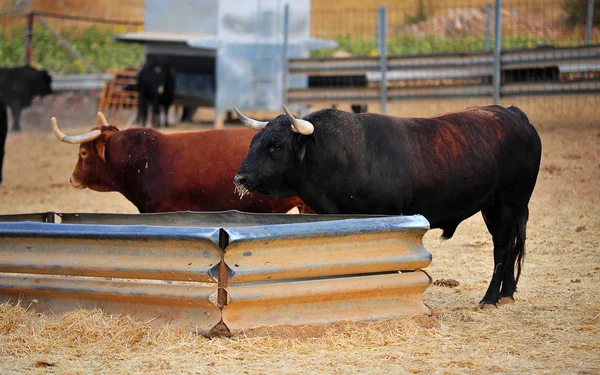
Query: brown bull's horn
x=102 y=119
x=254 y=124
x=299 y=125
x=89 y=136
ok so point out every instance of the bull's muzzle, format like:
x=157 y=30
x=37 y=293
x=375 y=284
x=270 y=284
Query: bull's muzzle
x=241 y=186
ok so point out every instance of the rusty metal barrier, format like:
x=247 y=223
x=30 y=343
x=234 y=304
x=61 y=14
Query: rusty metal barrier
x=119 y=98
x=229 y=269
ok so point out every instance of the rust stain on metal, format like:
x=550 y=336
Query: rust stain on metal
x=323 y=301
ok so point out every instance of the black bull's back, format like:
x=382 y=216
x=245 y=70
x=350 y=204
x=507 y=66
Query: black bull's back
x=446 y=168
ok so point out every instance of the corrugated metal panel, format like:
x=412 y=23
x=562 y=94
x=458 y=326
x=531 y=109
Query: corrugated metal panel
x=549 y=88
x=325 y=301
x=145 y=252
x=433 y=73
x=366 y=94
x=174 y=304
x=333 y=267
x=297 y=251
x=220 y=219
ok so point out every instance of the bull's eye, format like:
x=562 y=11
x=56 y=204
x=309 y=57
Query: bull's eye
x=274 y=147
x=83 y=153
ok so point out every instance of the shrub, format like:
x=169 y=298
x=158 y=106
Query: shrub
x=95 y=44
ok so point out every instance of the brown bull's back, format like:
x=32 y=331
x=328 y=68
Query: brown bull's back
x=186 y=171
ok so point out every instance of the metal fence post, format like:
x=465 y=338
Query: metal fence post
x=28 y=36
x=487 y=41
x=589 y=22
x=382 y=41
x=284 y=51
x=497 y=49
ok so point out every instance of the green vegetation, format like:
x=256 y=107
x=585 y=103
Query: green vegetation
x=415 y=45
x=99 y=47
x=95 y=44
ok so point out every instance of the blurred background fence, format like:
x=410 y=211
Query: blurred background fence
x=439 y=57
x=415 y=31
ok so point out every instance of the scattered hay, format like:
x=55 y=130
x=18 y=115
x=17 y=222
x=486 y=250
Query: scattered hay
x=409 y=326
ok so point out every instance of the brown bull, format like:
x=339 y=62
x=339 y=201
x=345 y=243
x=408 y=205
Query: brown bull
x=188 y=171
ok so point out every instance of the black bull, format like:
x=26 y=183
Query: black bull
x=446 y=168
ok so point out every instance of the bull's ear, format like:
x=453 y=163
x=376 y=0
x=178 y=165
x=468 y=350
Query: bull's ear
x=300 y=146
x=101 y=147
x=100 y=144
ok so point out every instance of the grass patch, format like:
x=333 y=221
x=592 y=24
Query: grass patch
x=95 y=44
x=418 y=45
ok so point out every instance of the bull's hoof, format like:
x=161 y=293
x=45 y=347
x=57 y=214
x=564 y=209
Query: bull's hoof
x=487 y=306
x=506 y=300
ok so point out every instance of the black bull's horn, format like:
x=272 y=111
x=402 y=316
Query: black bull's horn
x=254 y=124
x=299 y=125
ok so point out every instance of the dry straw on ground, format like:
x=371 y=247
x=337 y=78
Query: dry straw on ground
x=553 y=328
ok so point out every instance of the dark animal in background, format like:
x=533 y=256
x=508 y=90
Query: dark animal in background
x=156 y=88
x=446 y=168
x=18 y=87
x=3 y=134
x=186 y=171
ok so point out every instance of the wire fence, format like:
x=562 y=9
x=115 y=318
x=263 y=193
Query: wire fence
x=440 y=57
x=427 y=27
x=68 y=44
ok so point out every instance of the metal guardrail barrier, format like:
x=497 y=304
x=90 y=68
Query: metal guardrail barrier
x=475 y=66
x=80 y=82
x=204 y=270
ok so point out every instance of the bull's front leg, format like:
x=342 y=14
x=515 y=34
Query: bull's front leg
x=142 y=111
x=15 y=110
x=155 y=113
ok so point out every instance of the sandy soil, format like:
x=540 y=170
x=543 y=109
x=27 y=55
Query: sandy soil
x=553 y=328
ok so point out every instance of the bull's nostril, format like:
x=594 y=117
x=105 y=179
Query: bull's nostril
x=239 y=179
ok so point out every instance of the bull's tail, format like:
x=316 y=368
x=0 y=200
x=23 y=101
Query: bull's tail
x=518 y=249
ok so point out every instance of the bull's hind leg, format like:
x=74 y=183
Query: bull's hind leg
x=517 y=255
x=502 y=223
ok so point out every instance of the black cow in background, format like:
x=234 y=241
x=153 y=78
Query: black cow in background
x=156 y=88
x=18 y=87
x=3 y=133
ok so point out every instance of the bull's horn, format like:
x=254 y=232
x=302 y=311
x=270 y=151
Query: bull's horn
x=299 y=125
x=254 y=124
x=102 y=119
x=89 y=136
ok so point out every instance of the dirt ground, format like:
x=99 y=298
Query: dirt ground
x=554 y=327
